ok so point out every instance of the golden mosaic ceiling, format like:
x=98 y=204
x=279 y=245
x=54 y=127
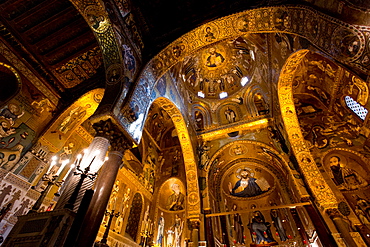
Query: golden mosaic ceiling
x=219 y=70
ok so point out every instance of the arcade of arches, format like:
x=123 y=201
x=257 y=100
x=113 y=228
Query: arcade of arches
x=249 y=130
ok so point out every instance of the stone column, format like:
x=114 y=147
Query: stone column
x=322 y=230
x=300 y=227
x=341 y=225
x=194 y=235
x=225 y=235
x=104 y=182
x=208 y=229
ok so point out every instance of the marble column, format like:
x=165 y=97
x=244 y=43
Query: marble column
x=300 y=227
x=322 y=229
x=225 y=235
x=104 y=183
x=208 y=229
x=342 y=226
x=194 y=236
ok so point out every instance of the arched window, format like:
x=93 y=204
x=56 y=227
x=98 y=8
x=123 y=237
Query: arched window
x=134 y=217
x=358 y=109
x=10 y=83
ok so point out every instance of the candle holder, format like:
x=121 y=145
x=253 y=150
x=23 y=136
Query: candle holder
x=103 y=241
x=52 y=180
x=85 y=173
x=146 y=236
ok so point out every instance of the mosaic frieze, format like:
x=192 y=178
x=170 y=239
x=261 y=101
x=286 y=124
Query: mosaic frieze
x=79 y=69
x=256 y=160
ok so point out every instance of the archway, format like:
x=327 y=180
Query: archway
x=193 y=200
x=321 y=191
x=13 y=83
x=272 y=188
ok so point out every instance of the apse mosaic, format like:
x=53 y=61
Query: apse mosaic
x=247 y=180
x=216 y=70
x=348 y=172
x=212 y=72
x=334 y=133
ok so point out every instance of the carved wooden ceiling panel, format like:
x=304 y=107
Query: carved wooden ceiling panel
x=54 y=38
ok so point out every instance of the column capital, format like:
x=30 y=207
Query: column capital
x=334 y=213
x=110 y=130
x=119 y=143
x=193 y=224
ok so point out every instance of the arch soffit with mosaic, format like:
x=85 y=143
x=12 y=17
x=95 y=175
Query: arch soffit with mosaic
x=255 y=21
x=324 y=196
x=193 y=200
x=117 y=85
x=247 y=142
x=251 y=21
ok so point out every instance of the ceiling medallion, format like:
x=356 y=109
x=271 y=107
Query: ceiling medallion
x=217 y=71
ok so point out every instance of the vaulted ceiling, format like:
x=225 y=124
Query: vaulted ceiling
x=53 y=37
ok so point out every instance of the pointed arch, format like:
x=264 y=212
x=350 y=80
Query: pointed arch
x=202 y=109
x=117 y=77
x=249 y=98
x=193 y=199
x=11 y=83
x=324 y=196
x=226 y=118
x=269 y=158
x=133 y=222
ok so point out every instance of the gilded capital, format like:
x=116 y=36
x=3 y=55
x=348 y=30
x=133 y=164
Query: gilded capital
x=333 y=213
x=193 y=224
x=110 y=131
